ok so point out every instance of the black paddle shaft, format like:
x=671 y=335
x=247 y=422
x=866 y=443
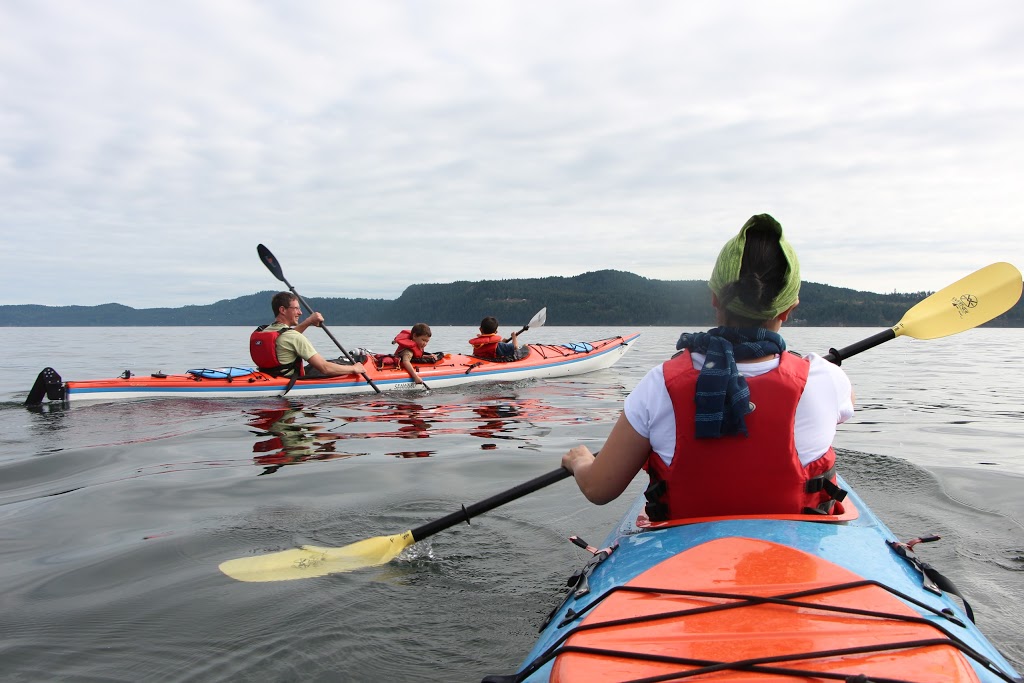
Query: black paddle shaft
x=274 y=267
x=524 y=329
x=467 y=513
x=874 y=340
x=526 y=488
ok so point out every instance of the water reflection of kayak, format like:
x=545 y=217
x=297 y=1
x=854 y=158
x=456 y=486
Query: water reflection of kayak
x=543 y=361
x=760 y=598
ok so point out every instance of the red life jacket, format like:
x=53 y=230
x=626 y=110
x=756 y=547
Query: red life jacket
x=405 y=341
x=485 y=345
x=737 y=475
x=263 y=349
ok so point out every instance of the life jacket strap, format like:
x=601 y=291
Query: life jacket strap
x=656 y=508
x=823 y=482
x=823 y=508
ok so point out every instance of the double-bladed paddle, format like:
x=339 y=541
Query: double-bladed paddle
x=965 y=304
x=274 y=267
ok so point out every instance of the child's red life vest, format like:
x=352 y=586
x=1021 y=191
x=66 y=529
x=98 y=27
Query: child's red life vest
x=405 y=341
x=739 y=475
x=263 y=350
x=485 y=345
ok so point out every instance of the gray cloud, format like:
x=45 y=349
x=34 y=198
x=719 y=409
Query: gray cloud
x=146 y=148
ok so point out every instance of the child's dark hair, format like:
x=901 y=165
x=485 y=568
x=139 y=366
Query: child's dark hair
x=489 y=325
x=762 y=277
x=420 y=329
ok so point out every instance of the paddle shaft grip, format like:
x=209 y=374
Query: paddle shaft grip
x=834 y=356
x=467 y=513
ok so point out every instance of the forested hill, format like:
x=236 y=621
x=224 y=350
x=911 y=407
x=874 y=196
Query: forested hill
x=606 y=297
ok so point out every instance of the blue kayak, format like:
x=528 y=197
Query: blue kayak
x=761 y=599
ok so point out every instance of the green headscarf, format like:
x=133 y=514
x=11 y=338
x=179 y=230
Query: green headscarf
x=730 y=259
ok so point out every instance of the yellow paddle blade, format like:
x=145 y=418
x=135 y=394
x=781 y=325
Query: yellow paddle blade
x=310 y=561
x=963 y=305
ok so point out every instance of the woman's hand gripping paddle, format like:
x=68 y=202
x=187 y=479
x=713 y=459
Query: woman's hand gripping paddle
x=965 y=304
x=274 y=267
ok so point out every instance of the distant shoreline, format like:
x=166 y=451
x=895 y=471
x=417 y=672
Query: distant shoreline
x=607 y=297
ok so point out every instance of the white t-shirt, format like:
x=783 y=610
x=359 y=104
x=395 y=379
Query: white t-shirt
x=825 y=403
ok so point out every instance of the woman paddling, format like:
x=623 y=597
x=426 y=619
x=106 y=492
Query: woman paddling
x=732 y=424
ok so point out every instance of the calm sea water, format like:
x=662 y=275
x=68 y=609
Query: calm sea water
x=114 y=517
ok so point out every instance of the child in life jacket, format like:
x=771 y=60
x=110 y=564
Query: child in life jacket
x=489 y=344
x=410 y=347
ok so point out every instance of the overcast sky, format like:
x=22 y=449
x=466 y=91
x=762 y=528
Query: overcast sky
x=147 y=147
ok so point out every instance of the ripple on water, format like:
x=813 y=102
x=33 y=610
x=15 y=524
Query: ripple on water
x=115 y=518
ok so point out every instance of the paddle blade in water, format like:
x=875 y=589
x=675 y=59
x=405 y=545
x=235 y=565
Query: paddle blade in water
x=965 y=304
x=310 y=561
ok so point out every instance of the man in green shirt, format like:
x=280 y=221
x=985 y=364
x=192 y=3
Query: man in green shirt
x=293 y=344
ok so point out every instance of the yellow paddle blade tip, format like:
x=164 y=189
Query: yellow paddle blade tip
x=963 y=305
x=311 y=561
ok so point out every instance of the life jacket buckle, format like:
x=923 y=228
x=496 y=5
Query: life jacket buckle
x=823 y=482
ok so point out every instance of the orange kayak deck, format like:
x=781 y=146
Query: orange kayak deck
x=656 y=632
